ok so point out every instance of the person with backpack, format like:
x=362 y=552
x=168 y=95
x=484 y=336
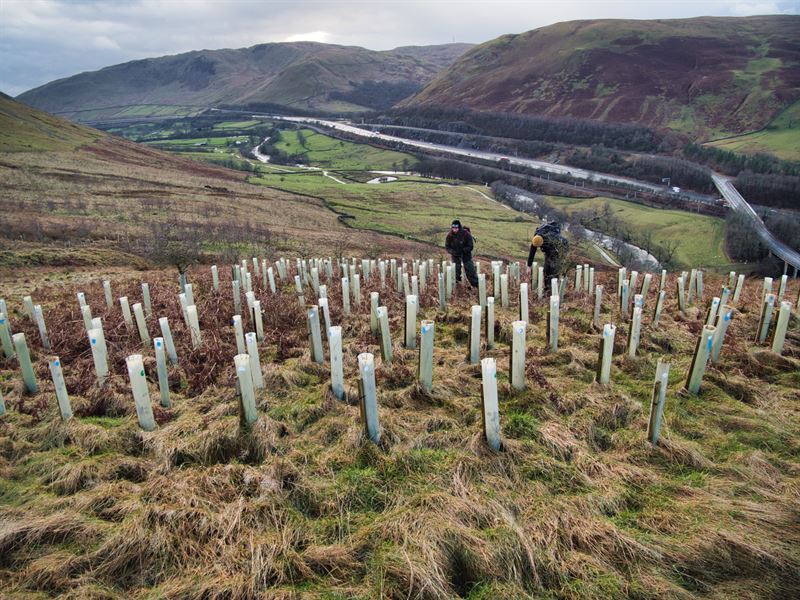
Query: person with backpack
x=548 y=237
x=459 y=245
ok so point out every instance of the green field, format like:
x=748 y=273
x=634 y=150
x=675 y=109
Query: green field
x=221 y=156
x=783 y=143
x=208 y=141
x=329 y=153
x=157 y=110
x=780 y=138
x=422 y=211
x=239 y=124
x=187 y=145
x=231 y=160
x=701 y=237
x=143 y=131
x=161 y=130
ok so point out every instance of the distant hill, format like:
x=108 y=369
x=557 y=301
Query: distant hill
x=299 y=75
x=441 y=56
x=703 y=76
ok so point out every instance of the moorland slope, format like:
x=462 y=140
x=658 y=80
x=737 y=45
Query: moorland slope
x=696 y=76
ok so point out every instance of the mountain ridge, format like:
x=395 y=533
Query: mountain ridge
x=304 y=75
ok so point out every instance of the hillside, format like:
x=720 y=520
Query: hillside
x=706 y=76
x=285 y=495
x=92 y=198
x=575 y=505
x=25 y=129
x=299 y=75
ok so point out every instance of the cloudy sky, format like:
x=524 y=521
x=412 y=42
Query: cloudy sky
x=43 y=40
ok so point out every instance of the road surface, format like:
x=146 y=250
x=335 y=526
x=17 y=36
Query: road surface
x=490 y=198
x=740 y=205
x=325 y=174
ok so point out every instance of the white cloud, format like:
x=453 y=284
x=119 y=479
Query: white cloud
x=312 y=36
x=103 y=42
x=41 y=40
x=745 y=9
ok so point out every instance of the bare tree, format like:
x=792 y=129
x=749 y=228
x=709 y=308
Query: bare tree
x=647 y=240
x=340 y=244
x=172 y=243
x=666 y=251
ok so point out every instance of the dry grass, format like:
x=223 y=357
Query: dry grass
x=93 y=205
x=301 y=505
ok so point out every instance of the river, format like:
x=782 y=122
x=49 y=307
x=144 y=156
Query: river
x=601 y=240
x=264 y=158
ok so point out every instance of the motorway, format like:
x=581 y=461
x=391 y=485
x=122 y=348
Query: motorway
x=593 y=175
x=739 y=204
x=546 y=167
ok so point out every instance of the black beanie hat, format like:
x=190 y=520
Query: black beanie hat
x=456 y=223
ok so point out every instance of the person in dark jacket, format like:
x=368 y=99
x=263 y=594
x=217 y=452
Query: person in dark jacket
x=459 y=244
x=548 y=237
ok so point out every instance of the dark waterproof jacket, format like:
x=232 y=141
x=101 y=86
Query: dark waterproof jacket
x=459 y=244
x=554 y=246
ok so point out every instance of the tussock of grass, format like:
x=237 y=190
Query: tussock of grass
x=17 y=538
x=577 y=504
